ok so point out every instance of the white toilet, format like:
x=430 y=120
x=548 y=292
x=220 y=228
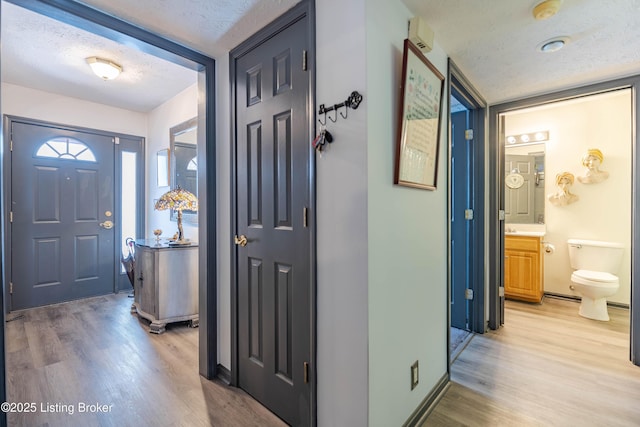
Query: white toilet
x=596 y=264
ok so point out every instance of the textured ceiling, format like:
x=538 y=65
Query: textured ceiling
x=45 y=54
x=494 y=43
x=213 y=27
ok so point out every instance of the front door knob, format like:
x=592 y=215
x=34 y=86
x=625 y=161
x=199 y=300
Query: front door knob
x=107 y=225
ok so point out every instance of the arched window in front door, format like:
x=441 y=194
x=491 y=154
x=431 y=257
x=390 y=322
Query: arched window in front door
x=66 y=148
x=193 y=164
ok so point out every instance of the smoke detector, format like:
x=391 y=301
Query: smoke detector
x=546 y=9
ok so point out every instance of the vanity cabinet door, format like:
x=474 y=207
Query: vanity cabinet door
x=523 y=270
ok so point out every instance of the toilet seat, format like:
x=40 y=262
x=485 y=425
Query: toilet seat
x=594 y=278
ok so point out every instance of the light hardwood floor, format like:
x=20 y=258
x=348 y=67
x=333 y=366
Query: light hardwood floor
x=546 y=367
x=96 y=351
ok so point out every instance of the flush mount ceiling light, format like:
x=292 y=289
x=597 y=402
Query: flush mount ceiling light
x=546 y=9
x=104 y=68
x=553 y=45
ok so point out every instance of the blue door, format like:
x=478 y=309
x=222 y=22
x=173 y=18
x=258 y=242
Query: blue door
x=461 y=169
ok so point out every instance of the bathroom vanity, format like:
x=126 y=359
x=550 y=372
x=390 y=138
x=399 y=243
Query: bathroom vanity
x=523 y=267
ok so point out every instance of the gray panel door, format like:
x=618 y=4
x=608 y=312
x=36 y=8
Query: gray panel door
x=519 y=202
x=61 y=190
x=274 y=268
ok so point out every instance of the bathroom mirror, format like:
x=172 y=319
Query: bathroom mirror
x=525 y=184
x=184 y=162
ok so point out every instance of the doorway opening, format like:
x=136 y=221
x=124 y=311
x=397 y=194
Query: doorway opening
x=466 y=206
x=547 y=145
x=576 y=126
x=76 y=195
x=96 y=22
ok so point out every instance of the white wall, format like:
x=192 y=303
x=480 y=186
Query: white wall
x=35 y=104
x=180 y=108
x=342 y=219
x=407 y=237
x=603 y=211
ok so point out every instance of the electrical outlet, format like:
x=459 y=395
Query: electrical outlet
x=415 y=377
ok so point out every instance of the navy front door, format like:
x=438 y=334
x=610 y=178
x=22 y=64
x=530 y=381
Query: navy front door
x=62 y=204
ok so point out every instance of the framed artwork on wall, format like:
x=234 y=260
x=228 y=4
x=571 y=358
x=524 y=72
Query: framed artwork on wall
x=419 y=121
x=162 y=156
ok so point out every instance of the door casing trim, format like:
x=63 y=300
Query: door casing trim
x=8 y=119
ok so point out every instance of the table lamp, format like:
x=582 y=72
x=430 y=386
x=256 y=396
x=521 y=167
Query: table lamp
x=179 y=200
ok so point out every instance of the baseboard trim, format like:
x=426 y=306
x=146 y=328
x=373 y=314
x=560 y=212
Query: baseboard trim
x=426 y=406
x=223 y=374
x=560 y=296
x=577 y=299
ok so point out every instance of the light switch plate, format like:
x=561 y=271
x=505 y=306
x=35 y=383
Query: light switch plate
x=415 y=377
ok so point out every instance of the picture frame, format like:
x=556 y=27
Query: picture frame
x=162 y=157
x=419 y=121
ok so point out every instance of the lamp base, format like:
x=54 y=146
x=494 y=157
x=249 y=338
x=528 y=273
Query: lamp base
x=180 y=243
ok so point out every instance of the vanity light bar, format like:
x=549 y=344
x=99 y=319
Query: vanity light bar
x=528 y=138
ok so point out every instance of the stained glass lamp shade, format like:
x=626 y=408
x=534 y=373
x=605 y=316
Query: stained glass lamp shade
x=178 y=199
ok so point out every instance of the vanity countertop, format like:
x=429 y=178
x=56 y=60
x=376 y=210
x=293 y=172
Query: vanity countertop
x=525 y=233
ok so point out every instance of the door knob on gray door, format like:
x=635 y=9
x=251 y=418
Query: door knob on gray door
x=241 y=241
x=107 y=225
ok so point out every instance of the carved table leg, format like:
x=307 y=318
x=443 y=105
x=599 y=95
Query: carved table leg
x=157 y=327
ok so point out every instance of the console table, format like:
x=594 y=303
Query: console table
x=166 y=283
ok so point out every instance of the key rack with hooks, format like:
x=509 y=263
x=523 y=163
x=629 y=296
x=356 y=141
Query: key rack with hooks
x=353 y=101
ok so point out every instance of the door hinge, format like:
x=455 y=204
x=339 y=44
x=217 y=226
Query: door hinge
x=10 y=216
x=304 y=60
x=468 y=134
x=116 y=140
x=501 y=215
x=306 y=372
x=11 y=144
x=468 y=294
x=468 y=214
x=11 y=287
x=501 y=291
x=304 y=217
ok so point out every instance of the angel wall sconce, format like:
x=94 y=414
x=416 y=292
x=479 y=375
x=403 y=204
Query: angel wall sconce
x=592 y=160
x=563 y=196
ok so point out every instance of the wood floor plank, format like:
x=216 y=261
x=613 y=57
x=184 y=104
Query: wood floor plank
x=96 y=351
x=547 y=366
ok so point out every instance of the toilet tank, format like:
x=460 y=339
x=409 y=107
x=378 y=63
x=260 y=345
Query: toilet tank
x=595 y=255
